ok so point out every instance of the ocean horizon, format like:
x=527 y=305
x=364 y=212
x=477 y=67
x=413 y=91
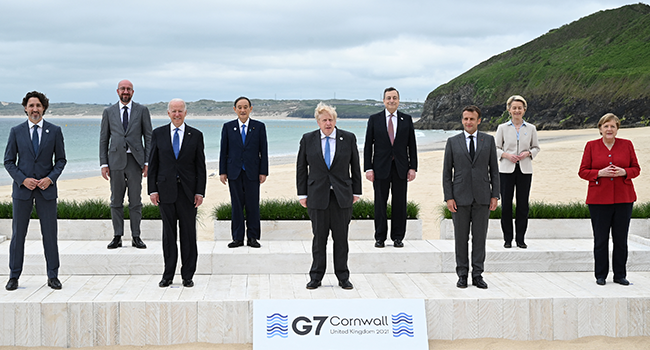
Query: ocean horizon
x=81 y=136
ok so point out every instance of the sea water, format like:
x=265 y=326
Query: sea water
x=81 y=135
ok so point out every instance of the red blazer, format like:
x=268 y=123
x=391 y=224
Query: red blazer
x=609 y=190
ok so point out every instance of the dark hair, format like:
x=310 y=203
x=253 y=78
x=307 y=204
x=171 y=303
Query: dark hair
x=472 y=108
x=390 y=89
x=243 y=98
x=40 y=96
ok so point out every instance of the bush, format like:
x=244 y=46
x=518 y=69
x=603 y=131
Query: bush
x=286 y=209
x=91 y=209
x=573 y=210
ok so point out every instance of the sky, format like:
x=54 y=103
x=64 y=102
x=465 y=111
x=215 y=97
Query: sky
x=77 y=51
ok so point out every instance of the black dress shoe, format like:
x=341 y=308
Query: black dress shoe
x=12 y=284
x=379 y=244
x=313 y=284
x=138 y=243
x=479 y=282
x=253 y=243
x=346 y=284
x=115 y=243
x=507 y=245
x=235 y=244
x=462 y=282
x=522 y=245
x=622 y=281
x=600 y=281
x=398 y=243
x=54 y=283
x=164 y=283
x=188 y=283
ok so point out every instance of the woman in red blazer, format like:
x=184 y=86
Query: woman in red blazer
x=610 y=164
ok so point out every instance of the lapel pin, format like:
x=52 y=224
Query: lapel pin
x=47 y=131
x=234 y=129
x=341 y=138
x=400 y=118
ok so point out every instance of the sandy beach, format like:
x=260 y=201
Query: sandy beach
x=555 y=180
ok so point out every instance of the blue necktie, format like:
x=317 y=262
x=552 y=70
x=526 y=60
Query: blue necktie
x=327 y=152
x=35 y=139
x=125 y=118
x=176 y=144
x=243 y=133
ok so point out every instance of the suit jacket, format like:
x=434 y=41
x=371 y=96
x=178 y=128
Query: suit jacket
x=506 y=141
x=164 y=167
x=611 y=190
x=49 y=162
x=313 y=179
x=234 y=153
x=378 y=153
x=465 y=180
x=114 y=141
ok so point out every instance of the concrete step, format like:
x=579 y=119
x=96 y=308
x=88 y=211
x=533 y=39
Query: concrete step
x=282 y=257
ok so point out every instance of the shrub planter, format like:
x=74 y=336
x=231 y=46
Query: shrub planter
x=550 y=229
x=87 y=230
x=300 y=230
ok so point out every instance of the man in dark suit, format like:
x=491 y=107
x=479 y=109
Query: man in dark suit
x=470 y=180
x=176 y=183
x=123 y=158
x=244 y=165
x=390 y=161
x=328 y=178
x=29 y=155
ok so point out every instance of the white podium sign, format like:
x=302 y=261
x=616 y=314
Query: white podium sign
x=340 y=324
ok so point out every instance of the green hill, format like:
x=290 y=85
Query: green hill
x=570 y=76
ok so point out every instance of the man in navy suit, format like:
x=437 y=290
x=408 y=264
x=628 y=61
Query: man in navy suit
x=176 y=183
x=34 y=157
x=328 y=179
x=470 y=181
x=244 y=165
x=390 y=161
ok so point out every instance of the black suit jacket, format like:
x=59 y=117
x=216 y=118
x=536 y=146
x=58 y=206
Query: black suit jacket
x=164 y=167
x=21 y=162
x=378 y=153
x=253 y=155
x=313 y=179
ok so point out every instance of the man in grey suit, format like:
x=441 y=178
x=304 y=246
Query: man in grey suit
x=328 y=179
x=470 y=180
x=124 y=159
x=34 y=157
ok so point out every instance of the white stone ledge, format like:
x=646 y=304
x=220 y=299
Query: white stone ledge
x=87 y=230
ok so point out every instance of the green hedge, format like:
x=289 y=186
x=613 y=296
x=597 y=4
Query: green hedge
x=92 y=209
x=573 y=210
x=284 y=209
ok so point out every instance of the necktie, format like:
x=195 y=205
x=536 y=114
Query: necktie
x=243 y=133
x=472 y=150
x=35 y=139
x=125 y=117
x=176 y=143
x=327 y=152
x=391 y=130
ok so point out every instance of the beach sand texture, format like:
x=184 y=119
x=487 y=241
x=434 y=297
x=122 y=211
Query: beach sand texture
x=555 y=180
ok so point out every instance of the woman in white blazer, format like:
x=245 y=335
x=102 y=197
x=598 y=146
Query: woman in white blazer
x=517 y=145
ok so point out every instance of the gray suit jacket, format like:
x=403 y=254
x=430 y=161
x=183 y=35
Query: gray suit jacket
x=466 y=181
x=114 y=141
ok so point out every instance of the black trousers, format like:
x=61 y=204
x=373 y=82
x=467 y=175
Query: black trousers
x=245 y=193
x=337 y=220
x=614 y=217
x=183 y=214
x=522 y=183
x=398 y=204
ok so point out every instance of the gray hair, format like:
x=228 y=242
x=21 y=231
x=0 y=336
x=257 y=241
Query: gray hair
x=176 y=100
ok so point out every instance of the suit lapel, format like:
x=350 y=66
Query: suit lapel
x=187 y=136
x=463 y=144
x=480 y=139
x=131 y=118
x=45 y=136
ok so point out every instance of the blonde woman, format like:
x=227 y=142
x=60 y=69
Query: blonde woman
x=517 y=145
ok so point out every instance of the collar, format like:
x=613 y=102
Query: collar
x=332 y=135
x=475 y=134
x=387 y=113
x=181 y=128
x=248 y=122
x=523 y=123
x=128 y=105
x=31 y=125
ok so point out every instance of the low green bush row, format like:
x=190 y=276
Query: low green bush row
x=285 y=209
x=92 y=209
x=573 y=210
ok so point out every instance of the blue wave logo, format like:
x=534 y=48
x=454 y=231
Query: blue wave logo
x=277 y=325
x=402 y=325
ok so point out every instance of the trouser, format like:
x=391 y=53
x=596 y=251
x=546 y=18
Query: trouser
x=398 y=187
x=131 y=178
x=522 y=182
x=614 y=217
x=475 y=216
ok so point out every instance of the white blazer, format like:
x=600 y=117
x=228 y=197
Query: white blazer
x=506 y=142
